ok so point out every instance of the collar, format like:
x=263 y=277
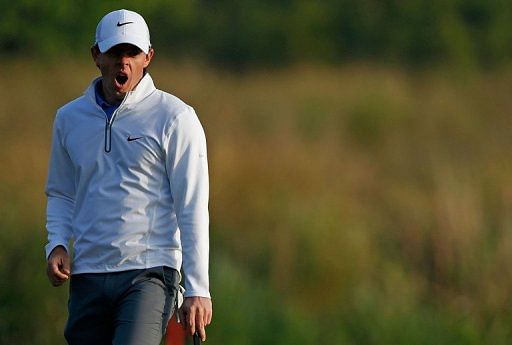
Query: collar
x=98 y=97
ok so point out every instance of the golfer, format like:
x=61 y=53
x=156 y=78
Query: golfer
x=128 y=199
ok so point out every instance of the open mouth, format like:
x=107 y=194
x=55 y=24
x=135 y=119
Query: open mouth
x=121 y=79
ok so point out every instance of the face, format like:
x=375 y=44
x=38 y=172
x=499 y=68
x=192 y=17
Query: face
x=122 y=67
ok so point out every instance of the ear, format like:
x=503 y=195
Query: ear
x=149 y=57
x=95 y=53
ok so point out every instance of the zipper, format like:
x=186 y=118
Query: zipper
x=108 y=135
x=108 y=125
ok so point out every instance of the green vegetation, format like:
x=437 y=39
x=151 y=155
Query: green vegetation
x=362 y=204
x=239 y=34
x=354 y=205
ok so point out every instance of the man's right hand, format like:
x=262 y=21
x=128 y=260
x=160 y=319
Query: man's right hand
x=58 y=269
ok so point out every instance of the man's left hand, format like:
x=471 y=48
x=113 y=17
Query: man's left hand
x=196 y=313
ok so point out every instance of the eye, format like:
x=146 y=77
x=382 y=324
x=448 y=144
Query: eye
x=134 y=51
x=113 y=52
x=124 y=50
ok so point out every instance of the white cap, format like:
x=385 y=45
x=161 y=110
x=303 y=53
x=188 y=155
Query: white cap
x=122 y=26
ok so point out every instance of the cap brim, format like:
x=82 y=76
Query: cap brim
x=138 y=41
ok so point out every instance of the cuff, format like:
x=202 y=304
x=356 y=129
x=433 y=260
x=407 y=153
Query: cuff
x=51 y=246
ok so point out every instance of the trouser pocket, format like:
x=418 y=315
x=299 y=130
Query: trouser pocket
x=171 y=278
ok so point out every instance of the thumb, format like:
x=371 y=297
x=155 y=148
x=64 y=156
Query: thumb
x=66 y=265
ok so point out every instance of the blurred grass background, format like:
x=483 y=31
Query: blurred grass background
x=359 y=152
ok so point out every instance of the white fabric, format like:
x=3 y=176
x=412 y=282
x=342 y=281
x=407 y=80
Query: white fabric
x=140 y=205
x=122 y=26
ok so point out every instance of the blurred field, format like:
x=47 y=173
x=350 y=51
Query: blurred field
x=350 y=205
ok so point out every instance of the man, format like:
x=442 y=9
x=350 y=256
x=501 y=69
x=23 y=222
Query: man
x=128 y=186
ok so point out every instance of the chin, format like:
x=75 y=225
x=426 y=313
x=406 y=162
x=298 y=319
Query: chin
x=121 y=93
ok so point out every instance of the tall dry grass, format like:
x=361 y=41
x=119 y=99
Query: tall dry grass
x=365 y=204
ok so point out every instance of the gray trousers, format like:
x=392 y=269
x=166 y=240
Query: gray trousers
x=130 y=307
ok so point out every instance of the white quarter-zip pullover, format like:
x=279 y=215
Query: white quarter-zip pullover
x=131 y=192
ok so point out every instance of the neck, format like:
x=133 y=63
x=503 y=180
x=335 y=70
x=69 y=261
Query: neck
x=111 y=99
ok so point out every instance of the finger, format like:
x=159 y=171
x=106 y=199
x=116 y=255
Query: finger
x=202 y=332
x=204 y=318
x=200 y=323
x=207 y=318
x=54 y=280
x=191 y=320
x=66 y=266
x=57 y=273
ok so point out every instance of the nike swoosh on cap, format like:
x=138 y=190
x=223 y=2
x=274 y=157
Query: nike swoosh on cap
x=121 y=24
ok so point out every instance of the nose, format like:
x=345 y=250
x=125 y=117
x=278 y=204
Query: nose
x=123 y=60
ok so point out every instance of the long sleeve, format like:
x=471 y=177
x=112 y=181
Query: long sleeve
x=60 y=190
x=187 y=168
